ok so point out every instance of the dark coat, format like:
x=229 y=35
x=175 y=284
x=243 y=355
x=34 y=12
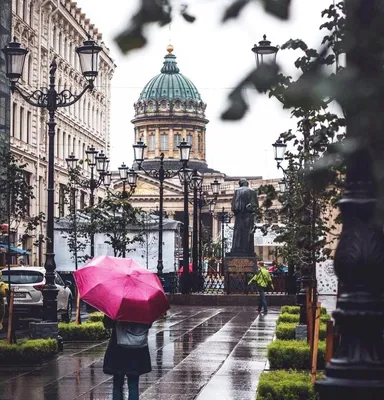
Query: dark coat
x=120 y=360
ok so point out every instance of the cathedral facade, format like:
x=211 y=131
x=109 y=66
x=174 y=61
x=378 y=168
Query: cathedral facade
x=169 y=110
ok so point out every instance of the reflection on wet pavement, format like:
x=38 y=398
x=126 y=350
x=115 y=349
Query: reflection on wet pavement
x=197 y=353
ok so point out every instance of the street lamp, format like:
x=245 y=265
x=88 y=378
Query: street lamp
x=264 y=52
x=51 y=99
x=161 y=174
x=225 y=218
x=99 y=161
x=126 y=175
x=196 y=185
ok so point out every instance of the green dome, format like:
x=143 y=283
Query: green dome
x=170 y=84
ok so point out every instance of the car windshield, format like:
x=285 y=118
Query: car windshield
x=23 y=277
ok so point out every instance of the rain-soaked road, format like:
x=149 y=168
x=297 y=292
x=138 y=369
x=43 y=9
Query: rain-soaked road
x=201 y=353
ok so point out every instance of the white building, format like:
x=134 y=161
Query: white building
x=53 y=28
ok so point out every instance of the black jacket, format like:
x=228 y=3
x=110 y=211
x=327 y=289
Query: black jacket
x=120 y=360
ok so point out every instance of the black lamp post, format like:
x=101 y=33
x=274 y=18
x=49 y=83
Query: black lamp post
x=161 y=174
x=126 y=175
x=99 y=161
x=264 y=52
x=196 y=184
x=51 y=99
x=225 y=218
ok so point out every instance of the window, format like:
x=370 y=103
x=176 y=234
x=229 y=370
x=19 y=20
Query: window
x=69 y=143
x=63 y=145
x=21 y=124
x=82 y=200
x=164 y=141
x=58 y=143
x=61 y=200
x=176 y=141
x=31 y=15
x=199 y=143
x=29 y=69
x=54 y=38
x=27 y=180
x=25 y=10
x=14 y=117
x=189 y=140
x=60 y=45
x=29 y=126
x=152 y=140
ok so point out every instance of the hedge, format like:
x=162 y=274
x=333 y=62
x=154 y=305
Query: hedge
x=296 y=310
x=286 y=317
x=27 y=351
x=89 y=331
x=293 y=354
x=287 y=331
x=285 y=385
x=95 y=317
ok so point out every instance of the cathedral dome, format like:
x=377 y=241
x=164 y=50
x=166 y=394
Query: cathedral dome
x=170 y=92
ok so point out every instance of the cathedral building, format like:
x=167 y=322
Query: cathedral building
x=53 y=29
x=170 y=109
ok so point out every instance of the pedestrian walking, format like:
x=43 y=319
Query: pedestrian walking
x=3 y=292
x=127 y=355
x=263 y=281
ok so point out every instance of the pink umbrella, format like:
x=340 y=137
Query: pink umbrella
x=122 y=289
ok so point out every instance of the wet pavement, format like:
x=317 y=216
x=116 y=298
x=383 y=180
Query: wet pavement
x=201 y=353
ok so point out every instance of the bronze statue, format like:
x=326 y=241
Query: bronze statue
x=244 y=207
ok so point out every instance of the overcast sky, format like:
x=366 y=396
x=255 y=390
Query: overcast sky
x=214 y=57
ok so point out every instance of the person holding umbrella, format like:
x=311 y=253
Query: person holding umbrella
x=128 y=361
x=132 y=298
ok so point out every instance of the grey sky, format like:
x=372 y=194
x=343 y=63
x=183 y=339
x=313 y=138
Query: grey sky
x=214 y=57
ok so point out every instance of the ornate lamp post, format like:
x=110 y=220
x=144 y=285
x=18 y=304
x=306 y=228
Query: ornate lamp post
x=225 y=218
x=97 y=161
x=52 y=100
x=161 y=174
x=264 y=52
x=196 y=185
x=126 y=175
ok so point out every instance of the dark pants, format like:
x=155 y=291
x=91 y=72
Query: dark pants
x=133 y=387
x=262 y=300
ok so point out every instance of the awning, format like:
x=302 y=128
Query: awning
x=14 y=249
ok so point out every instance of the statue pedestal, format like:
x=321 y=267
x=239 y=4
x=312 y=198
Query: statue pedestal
x=238 y=270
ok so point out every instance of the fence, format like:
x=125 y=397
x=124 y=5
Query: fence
x=229 y=283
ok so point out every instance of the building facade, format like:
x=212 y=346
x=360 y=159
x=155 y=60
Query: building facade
x=53 y=29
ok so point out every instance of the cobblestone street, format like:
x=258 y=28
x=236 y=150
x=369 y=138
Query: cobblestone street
x=201 y=353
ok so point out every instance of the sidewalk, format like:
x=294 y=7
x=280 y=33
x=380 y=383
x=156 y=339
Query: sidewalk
x=197 y=353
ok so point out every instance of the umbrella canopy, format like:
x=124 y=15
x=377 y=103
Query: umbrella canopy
x=181 y=269
x=122 y=289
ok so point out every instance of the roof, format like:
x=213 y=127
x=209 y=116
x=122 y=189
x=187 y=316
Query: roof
x=170 y=84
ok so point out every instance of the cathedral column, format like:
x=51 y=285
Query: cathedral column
x=157 y=142
x=170 y=142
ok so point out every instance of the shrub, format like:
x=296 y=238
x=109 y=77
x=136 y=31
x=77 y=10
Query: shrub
x=90 y=331
x=285 y=385
x=286 y=317
x=287 y=331
x=293 y=354
x=95 y=317
x=296 y=310
x=27 y=351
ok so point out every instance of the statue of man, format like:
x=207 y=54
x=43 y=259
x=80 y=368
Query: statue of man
x=244 y=206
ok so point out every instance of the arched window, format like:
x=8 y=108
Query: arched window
x=152 y=141
x=189 y=140
x=14 y=119
x=22 y=127
x=164 y=141
x=176 y=140
x=199 y=143
x=29 y=127
x=63 y=143
x=31 y=15
x=74 y=147
x=57 y=138
x=69 y=143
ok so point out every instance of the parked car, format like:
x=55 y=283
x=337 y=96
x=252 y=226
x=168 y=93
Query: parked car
x=28 y=284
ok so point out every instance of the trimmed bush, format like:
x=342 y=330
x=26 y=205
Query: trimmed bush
x=286 y=317
x=296 y=310
x=285 y=385
x=287 y=331
x=27 y=351
x=95 y=317
x=89 y=331
x=293 y=354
